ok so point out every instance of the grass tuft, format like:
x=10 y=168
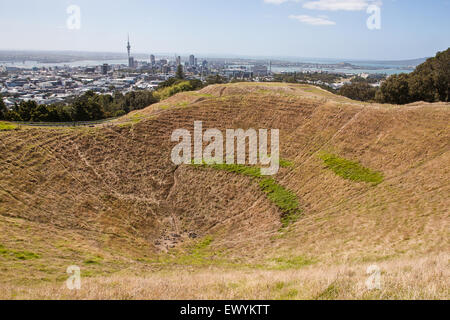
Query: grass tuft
x=94 y=260
x=136 y=118
x=351 y=170
x=20 y=255
x=5 y=126
x=292 y=263
x=286 y=163
x=330 y=293
x=199 y=253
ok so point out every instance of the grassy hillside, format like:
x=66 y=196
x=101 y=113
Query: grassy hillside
x=370 y=182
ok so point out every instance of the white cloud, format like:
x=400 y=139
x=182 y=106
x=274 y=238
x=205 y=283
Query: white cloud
x=276 y=1
x=332 y=5
x=336 y=5
x=315 y=21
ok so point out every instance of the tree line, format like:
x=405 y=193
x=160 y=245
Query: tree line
x=88 y=107
x=429 y=82
x=91 y=106
x=301 y=77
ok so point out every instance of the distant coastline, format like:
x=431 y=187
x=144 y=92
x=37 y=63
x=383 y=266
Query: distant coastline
x=32 y=59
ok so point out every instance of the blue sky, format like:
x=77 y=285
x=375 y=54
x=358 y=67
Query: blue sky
x=288 y=28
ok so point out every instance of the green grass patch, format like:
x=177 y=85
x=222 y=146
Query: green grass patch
x=126 y=125
x=330 y=293
x=136 y=118
x=279 y=285
x=284 y=199
x=5 y=126
x=286 y=163
x=351 y=170
x=183 y=104
x=254 y=172
x=298 y=262
x=199 y=253
x=19 y=255
x=167 y=92
x=203 y=244
x=290 y=295
x=203 y=95
x=93 y=260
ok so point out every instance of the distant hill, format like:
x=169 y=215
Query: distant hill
x=60 y=56
x=411 y=62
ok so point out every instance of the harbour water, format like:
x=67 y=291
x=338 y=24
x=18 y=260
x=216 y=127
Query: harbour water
x=370 y=68
x=389 y=70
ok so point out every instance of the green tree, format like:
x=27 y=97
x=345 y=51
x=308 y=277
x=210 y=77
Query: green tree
x=95 y=111
x=40 y=113
x=422 y=87
x=3 y=109
x=180 y=73
x=13 y=115
x=196 y=84
x=168 y=83
x=64 y=113
x=217 y=79
x=395 y=90
x=290 y=79
x=429 y=82
x=80 y=110
x=361 y=91
x=25 y=109
x=88 y=107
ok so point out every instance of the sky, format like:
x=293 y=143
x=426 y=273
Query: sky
x=406 y=29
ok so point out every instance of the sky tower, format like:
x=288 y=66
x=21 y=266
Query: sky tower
x=131 y=63
x=129 y=47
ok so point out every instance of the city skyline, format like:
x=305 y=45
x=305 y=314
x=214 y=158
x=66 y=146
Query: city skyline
x=257 y=28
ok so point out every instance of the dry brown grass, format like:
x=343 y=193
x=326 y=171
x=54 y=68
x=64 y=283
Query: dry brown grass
x=423 y=278
x=111 y=194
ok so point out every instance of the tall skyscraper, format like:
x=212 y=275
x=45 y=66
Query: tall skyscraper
x=259 y=70
x=152 y=60
x=105 y=68
x=192 y=60
x=131 y=63
x=178 y=60
x=129 y=47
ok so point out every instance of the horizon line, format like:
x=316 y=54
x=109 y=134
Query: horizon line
x=217 y=55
